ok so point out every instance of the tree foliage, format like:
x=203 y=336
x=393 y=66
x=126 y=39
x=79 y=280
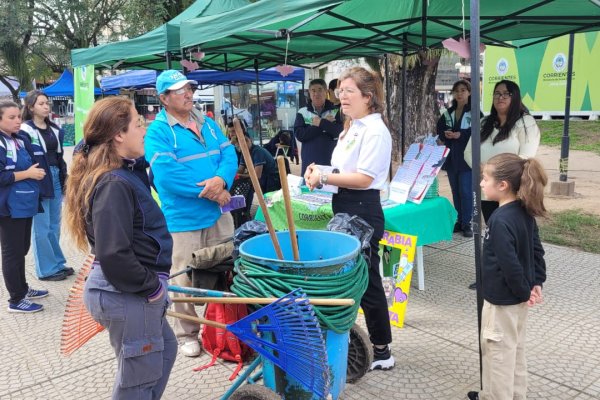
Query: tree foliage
x=36 y=36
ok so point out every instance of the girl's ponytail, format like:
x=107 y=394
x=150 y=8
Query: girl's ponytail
x=531 y=191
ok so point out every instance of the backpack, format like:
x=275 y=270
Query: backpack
x=221 y=343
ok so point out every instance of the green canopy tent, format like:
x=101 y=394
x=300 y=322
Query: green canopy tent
x=158 y=49
x=357 y=28
x=321 y=31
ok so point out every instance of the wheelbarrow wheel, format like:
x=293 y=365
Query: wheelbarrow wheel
x=360 y=354
x=254 y=392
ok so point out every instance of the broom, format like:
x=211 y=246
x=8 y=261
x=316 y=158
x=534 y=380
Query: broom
x=78 y=326
x=239 y=133
x=296 y=344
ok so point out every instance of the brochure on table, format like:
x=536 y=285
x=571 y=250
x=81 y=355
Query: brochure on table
x=421 y=165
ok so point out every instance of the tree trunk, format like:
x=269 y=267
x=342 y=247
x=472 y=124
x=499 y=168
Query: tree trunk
x=422 y=111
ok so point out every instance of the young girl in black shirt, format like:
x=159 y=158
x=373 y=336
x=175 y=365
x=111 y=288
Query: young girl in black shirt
x=513 y=272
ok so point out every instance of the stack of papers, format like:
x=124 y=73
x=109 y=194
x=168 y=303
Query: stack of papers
x=421 y=165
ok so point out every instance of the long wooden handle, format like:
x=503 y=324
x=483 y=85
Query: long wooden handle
x=288 y=206
x=259 y=300
x=239 y=133
x=196 y=319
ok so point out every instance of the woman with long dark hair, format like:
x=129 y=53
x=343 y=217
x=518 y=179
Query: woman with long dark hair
x=47 y=141
x=454 y=131
x=109 y=211
x=362 y=156
x=508 y=129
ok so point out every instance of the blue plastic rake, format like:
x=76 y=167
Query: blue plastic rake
x=286 y=332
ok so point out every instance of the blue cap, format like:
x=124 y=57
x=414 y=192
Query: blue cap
x=171 y=80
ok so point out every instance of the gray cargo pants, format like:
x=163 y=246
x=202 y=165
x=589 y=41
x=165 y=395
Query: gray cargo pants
x=140 y=335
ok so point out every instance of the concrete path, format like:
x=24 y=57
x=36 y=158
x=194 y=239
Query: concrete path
x=436 y=351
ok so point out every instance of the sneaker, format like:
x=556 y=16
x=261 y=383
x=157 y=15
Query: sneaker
x=36 y=294
x=24 y=306
x=190 y=349
x=457 y=227
x=382 y=359
x=68 y=271
x=473 y=395
x=59 y=276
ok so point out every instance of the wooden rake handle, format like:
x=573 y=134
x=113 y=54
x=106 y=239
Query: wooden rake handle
x=239 y=133
x=259 y=300
x=208 y=322
x=288 y=206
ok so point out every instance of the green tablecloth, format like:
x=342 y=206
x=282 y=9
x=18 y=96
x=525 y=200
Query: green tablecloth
x=431 y=221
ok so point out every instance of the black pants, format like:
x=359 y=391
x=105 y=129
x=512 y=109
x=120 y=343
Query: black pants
x=367 y=205
x=15 y=239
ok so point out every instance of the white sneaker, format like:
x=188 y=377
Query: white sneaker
x=382 y=359
x=190 y=349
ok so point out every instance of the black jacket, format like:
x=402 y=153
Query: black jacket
x=128 y=232
x=318 y=142
x=455 y=161
x=513 y=256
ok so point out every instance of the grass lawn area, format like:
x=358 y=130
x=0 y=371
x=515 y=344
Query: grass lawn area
x=572 y=228
x=583 y=135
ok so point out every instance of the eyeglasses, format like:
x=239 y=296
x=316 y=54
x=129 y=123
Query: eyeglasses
x=505 y=95
x=183 y=90
x=348 y=91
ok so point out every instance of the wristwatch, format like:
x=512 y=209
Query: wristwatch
x=323 y=179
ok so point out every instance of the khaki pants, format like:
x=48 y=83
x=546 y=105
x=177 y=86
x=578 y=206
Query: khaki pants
x=503 y=331
x=184 y=244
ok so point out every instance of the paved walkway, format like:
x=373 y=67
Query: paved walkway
x=436 y=351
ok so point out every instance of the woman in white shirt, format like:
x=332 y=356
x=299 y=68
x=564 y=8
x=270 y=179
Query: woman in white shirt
x=508 y=129
x=362 y=156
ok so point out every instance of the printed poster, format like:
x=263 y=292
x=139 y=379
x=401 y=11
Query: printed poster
x=397 y=287
x=84 y=96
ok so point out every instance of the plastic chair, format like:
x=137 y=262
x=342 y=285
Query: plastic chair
x=242 y=187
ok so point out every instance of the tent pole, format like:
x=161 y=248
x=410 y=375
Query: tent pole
x=476 y=151
x=424 y=24
x=388 y=107
x=229 y=89
x=258 y=102
x=564 y=146
x=168 y=59
x=402 y=144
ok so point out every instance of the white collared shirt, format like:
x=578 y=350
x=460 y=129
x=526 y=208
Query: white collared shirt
x=366 y=148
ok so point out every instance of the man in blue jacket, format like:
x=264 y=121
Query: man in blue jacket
x=193 y=165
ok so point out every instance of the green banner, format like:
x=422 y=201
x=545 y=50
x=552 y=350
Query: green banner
x=84 y=97
x=540 y=71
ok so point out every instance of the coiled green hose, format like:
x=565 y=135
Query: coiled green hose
x=255 y=280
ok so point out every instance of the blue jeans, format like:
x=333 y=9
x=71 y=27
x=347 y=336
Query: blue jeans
x=143 y=341
x=45 y=234
x=462 y=195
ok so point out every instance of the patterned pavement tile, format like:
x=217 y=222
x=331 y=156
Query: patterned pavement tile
x=436 y=351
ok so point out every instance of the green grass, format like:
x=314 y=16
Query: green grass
x=583 y=135
x=572 y=228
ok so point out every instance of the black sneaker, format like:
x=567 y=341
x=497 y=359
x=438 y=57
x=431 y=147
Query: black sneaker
x=68 y=271
x=473 y=395
x=382 y=359
x=467 y=231
x=457 y=227
x=59 y=276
